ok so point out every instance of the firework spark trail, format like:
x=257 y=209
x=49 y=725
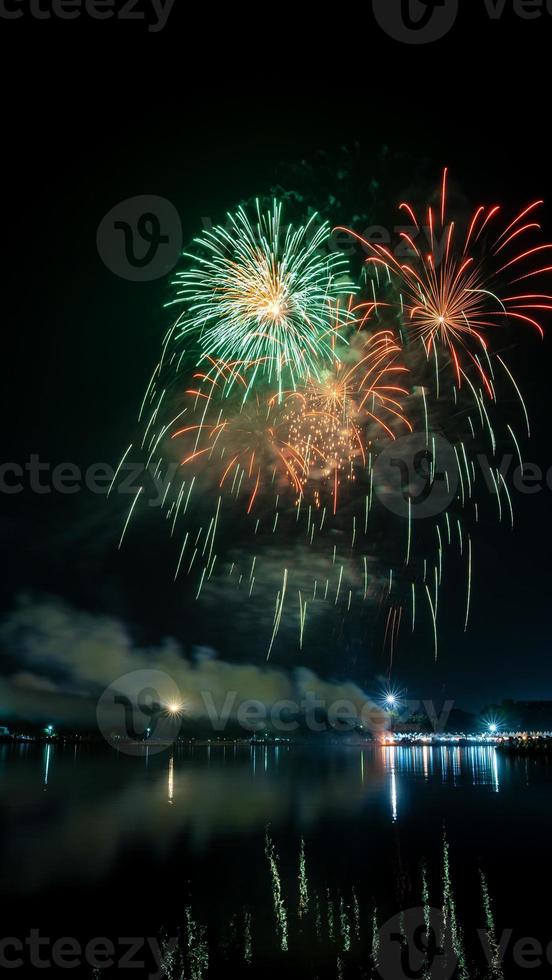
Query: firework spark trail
x=468 y=600
x=279 y=609
x=130 y=513
x=118 y=470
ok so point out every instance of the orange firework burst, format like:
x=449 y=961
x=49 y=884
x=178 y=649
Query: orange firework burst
x=454 y=292
x=312 y=438
x=235 y=441
x=331 y=420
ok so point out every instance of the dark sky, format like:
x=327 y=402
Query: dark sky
x=95 y=113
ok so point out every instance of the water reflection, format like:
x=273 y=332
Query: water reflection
x=171 y=780
x=280 y=911
x=47 y=753
x=450 y=764
x=392 y=766
x=117 y=802
x=330 y=931
x=479 y=765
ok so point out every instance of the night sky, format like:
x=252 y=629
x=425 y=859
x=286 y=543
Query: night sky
x=95 y=113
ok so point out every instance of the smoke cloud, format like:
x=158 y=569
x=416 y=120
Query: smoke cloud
x=67 y=657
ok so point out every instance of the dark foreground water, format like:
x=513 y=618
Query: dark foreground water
x=399 y=863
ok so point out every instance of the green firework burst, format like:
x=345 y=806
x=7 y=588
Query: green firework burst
x=265 y=296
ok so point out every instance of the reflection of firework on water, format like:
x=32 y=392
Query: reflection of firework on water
x=290 y=390
x=317 y=929
x=260 y=293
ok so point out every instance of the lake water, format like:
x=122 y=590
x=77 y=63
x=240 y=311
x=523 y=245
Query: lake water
x=338 y=862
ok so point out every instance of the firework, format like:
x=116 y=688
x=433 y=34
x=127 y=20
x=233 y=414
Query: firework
x=240 y=444
x=456 y=290
x=451 y=296
x=331 y=420
x=310 y=440
x=279 y=386
x=260 y=293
